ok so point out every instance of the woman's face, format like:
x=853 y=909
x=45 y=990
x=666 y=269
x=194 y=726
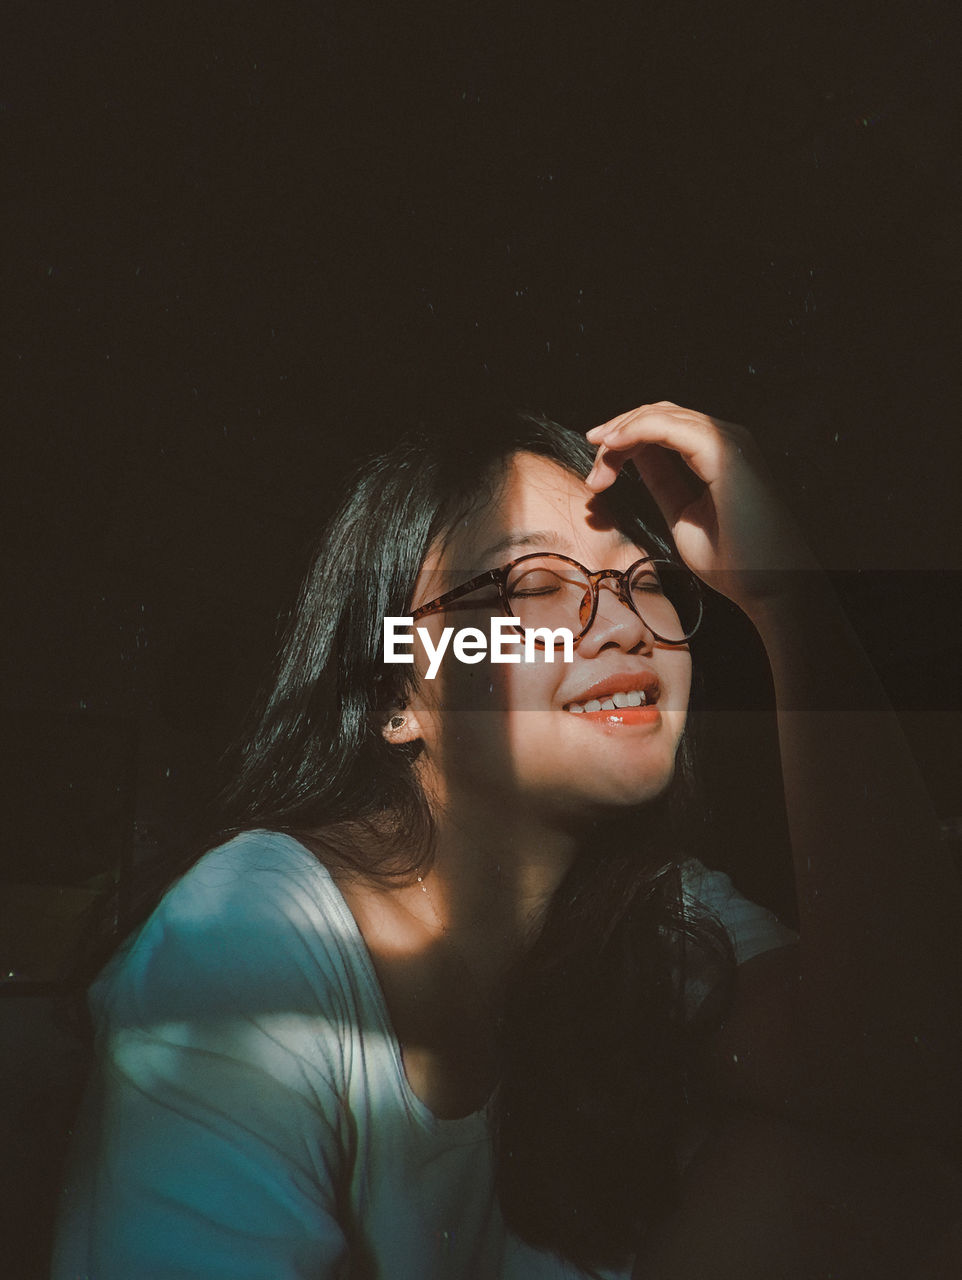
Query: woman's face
x=506 y=732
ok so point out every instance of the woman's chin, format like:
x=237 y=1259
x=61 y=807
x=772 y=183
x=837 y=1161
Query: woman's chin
x=611 y=793
x=632 y=792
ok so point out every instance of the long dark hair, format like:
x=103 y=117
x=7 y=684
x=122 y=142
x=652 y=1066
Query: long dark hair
x=595 y=1036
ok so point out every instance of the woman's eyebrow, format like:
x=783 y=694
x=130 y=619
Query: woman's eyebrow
x=535 y=538
x=548 y=538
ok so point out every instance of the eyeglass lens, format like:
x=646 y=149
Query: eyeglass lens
x=547 y=591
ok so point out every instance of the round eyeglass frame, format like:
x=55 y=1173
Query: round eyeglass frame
x=499 y=576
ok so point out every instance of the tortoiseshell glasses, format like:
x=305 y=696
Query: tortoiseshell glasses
x=547 y=589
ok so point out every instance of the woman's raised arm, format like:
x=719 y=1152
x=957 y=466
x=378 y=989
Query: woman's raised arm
x=869 y=1016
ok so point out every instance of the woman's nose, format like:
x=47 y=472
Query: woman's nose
x=615 y=623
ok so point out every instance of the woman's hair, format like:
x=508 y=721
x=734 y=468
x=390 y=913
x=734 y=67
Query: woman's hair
x=595 y=1036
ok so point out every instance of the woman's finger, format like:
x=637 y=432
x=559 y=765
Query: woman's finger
x=607 y=464
x=596 y=433
x=695 y=437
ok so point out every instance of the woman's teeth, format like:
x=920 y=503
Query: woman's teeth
x=637 y=698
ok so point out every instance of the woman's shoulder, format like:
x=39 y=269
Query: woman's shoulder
x=254 y=872
x=751 y=927
x=259 y=878
x=255 y=919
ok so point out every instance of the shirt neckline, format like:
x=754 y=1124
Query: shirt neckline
x=470 y=1122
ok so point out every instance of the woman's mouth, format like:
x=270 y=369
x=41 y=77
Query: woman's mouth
x=622 y=708
x=612 y=717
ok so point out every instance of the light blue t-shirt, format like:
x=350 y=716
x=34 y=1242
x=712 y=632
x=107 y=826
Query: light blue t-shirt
x=249 y=1117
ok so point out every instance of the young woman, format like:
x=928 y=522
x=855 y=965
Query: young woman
x=454 y=1000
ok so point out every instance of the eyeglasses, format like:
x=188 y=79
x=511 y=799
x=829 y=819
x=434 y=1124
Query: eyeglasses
x=547 y=589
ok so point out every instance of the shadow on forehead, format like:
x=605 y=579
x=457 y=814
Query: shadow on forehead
x=504 y=519
x=601 y=517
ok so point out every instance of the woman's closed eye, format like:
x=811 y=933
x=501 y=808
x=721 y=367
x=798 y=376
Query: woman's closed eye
x=546 y=590
x=647 y=582
x=537 y=584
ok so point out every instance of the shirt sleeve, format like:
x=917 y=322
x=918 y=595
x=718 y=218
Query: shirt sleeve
x=752 y=929
x=212 y=1140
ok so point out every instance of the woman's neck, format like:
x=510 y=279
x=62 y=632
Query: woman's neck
x=494 y=870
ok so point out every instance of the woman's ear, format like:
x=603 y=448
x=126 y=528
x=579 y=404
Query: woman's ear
x=401 y=726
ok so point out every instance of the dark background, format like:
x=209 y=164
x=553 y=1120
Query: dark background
x=248 y=241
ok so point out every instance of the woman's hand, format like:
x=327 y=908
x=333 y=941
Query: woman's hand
x=716 y=494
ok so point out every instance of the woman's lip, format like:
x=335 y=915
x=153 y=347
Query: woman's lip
x=642 y=681
x=621 y=716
